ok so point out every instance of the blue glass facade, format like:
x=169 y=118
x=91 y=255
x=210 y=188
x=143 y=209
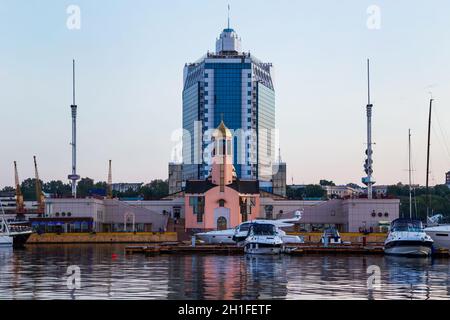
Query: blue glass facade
x=265 y=127
x=227 y=99
x=191 y=114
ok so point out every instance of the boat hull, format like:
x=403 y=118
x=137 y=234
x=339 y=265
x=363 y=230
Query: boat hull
x=19 y=240
x=441 y=239
x=216 y=239
x=263 y=249
x=6 y=241
x=409 y=248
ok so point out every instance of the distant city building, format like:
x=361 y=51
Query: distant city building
x=380 y=190
x=279 y=179
x=235 y=87
x=175 y=178
x=8 y=200
x=124 y=187
x=297 y=186
x=341 y=192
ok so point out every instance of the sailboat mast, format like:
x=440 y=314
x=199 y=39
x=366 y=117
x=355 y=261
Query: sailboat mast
x=428 y=158
x=409 y=171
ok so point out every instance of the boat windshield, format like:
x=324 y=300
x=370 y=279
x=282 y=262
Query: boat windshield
x=407 y=226
x=244 y=227
x=332 y=232
x=263 y=229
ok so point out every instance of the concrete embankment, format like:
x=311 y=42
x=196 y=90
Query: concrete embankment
x=144 y=237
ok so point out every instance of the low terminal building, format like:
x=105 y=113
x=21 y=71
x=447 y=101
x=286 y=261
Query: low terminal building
x=98 y=215
x=103 y=215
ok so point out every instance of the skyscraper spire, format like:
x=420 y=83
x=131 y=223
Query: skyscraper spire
x=228 y=16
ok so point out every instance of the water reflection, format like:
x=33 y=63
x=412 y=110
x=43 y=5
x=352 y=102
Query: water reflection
x=39 y=272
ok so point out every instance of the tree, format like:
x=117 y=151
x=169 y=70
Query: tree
x=83 y=187
x=294 y=193
x=156 y=189
x=326 y=183
x=28 y=188
x=314 y=191
x=57 y=188
x=8 y=189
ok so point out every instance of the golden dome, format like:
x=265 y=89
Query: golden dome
x=222 y=131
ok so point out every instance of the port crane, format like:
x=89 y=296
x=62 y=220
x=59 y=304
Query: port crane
x=20 y=205
x=39 y=195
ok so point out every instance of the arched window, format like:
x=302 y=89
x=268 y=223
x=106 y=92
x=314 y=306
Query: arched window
x=222 y=223
x=221 y=203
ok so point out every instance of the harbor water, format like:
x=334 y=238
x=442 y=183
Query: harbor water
x=105 y=272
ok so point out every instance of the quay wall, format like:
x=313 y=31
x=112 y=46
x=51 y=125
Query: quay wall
x=353 y=237
x=144 y=237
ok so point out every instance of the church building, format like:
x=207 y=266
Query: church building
x=222 y=200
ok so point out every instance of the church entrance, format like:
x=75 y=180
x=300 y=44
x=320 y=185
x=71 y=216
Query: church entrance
x=222 y=223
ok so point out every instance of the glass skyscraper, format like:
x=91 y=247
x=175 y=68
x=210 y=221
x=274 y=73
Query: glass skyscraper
x=235 y=87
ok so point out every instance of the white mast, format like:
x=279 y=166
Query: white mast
x=368 y=169
x=74 y=177
x=409 y=170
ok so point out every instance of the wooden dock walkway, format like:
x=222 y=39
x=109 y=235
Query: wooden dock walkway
x=302 y=249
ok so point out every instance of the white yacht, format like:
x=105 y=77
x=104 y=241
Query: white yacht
x=5 y=239
x=263 y=238
x=408 y=238
x=440 y=236
x=440 y=233
x=240 y=233
x=13 y=234
x=331 y=236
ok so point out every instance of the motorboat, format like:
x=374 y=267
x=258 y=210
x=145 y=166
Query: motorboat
x=440 y=233
x=218 y=237
x=15 y=235
x=331 y=236
x=408 y=238
x=263 y=238
x=5 y=239
x=240 y=233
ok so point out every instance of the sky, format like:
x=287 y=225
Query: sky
x=130 y=57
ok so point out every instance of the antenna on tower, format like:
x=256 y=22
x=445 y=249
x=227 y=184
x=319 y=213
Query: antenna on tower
x=73 y=82
x=228 y=16
x=368 y=82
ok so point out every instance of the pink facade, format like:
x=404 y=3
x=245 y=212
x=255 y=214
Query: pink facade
x=220 y=207
x=222 y=201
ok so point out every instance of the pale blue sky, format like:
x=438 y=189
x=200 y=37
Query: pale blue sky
x=130 y=57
